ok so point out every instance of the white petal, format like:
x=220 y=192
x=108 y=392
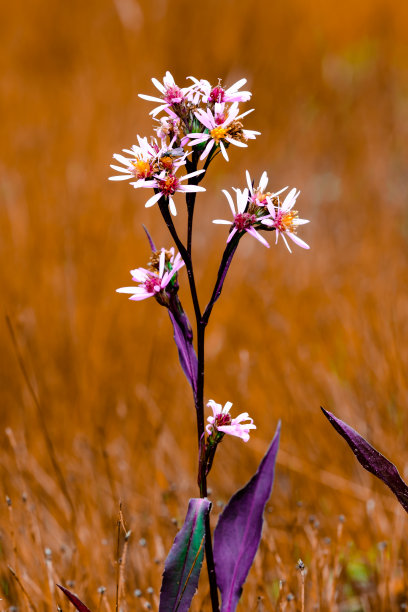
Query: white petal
x=137 y=298
x=123 y=177
x=150 y=98
x=120 y=169
x=224 y=151
x=187 y=176
x=263 y=182
x=159 y=86
x=236 y=86
x=127 y=289
x=155 y=198
x=237 y=143
x=191 y=188
x=162 y=260
x=249 y=182
x=172 y=207
x=230 y=201
x=298 y=241
x=246 y=113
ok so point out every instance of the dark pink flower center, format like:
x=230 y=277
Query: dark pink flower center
x=244 y=220
x=169 y=185
x=152 y=284
x=217 y=94
x=219 y=118
x=173 y=95
x=222 y=419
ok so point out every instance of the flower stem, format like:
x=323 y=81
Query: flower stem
x=164 y=209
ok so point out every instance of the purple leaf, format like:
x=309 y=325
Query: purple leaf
x=150 y=239
x=183 y=338
x=74 y=599
x=183 y=564
x=238 y=532
x=371 y=459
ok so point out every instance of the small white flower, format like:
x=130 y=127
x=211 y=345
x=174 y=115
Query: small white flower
x=167 y=185
x=223 y=127
x=285 y=220
x=222 y=421
x=245 y=217
x=151 y=282
x=146 y=160
x=171 y=94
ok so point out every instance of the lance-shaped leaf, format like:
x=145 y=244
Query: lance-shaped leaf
x=238 y=532
x=371 y=459
x=183 y=338
x=183 y=564
x=81 y=607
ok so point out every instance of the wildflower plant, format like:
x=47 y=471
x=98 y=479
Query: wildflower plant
x=193 y=125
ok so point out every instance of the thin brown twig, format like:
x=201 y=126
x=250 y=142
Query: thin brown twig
x=20 y=584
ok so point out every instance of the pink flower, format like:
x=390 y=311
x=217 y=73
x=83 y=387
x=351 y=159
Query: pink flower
x=171 y=94
x=246 y=215
x=285 y=220
x=166 y=185
x=222 y=421
x=223 y=126
x=209 y=94
x=146 y=160
x=164 y=265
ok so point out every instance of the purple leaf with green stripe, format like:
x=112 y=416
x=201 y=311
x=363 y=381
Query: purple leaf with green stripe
x=183 y=564
x=239 y=528
x=81 y=607
x=371 y=459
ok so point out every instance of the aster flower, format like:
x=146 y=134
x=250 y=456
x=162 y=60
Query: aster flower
x=221 y=421
x=223 y=126
x=285 y=220
x=166 y=185
x=153 y=282
x=171 y=94
x=258 y=195
x=146 y=160
x=209 y=94
x=246 y=215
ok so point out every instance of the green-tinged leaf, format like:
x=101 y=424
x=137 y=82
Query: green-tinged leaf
x=183 y=564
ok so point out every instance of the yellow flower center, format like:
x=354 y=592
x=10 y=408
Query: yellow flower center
x=218 y=133
x=287 y=220
x=141 y=168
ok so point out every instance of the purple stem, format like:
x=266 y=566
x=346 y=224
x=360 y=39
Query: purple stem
x=228 y=254
x=201 y=323
x=164 y=209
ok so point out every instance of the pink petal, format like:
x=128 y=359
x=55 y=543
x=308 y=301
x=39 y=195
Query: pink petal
x=255 y=234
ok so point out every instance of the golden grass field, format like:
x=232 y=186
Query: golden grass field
x=114 y=423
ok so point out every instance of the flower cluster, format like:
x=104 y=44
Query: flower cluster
x=199 y=120
x=257 y=209
x=193 y=124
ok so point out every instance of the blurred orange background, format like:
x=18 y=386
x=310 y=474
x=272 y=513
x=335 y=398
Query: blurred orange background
x=291 y=332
